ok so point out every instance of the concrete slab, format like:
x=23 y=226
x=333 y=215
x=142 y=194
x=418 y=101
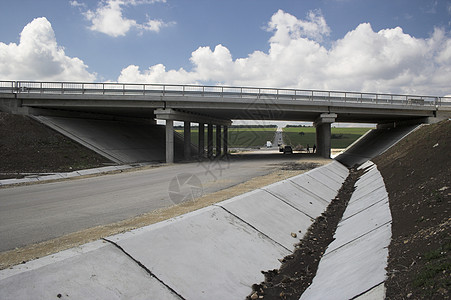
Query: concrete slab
x=353 y=269
x=376 y=293
x=361 y=224
x=363 y=203
x=365 y=165
x=371 y=174
x=340 y=167
x=299 y=198
x=94 y=271
x=269 y=215
x=337 y=168
x=50 y=177
x=330 y=172
x=206 y=254
x=367 y=188
x=326 y=181
x=314 y=186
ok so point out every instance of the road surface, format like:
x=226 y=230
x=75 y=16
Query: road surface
x=36 y=213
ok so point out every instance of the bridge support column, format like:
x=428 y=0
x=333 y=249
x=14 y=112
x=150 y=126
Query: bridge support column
x=169 y=141
x=201 y=144
x=226 y=140
x=323 y=134
x=170 y=115
x=210 y=141
x=218 y=140
x=187 y=140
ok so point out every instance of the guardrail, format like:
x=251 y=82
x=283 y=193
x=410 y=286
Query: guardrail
x=126 y=89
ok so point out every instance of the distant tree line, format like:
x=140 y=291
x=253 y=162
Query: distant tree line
x=294 y=126
x=236 y=126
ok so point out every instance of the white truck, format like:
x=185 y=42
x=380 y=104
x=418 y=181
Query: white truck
x=268 y=144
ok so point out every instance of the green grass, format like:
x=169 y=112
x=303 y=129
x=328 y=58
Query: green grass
x=341 y=137
x=434 y=275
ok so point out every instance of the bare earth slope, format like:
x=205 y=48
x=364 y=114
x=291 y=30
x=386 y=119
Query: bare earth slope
x=26 y=146
x=417 y=174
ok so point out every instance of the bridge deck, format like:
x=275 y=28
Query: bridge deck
x=223 y=101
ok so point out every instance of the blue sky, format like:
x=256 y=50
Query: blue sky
x=399 y=46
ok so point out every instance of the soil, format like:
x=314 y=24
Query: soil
x=27 y=147
x=417 y=173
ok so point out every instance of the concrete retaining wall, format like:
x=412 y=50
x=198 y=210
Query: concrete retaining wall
x=214 y=253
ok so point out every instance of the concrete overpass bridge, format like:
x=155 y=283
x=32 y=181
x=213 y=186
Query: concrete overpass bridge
x=219 y=105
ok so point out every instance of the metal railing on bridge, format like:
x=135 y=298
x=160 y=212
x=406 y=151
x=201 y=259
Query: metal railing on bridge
x=126 y=89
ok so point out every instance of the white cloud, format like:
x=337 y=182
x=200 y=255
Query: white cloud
x=108 y=18
x=75 y=3
x=287 y=27
x=38 y=57
x=363 y=60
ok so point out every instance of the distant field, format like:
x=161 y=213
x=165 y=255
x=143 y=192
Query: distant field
x=257 y=137
x=341 y=137
x=239 y=137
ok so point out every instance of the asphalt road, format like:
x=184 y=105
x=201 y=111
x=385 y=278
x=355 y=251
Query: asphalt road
x=35 y=213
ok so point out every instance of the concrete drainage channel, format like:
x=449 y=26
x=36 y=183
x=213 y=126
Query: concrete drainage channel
x=218 y=252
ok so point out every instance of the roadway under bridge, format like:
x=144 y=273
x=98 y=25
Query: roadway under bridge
x=216 y=106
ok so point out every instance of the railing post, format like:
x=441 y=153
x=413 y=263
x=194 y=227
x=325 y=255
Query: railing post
x=103 y=88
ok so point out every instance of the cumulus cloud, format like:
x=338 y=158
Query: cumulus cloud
x=38 y=57
x=108 y=18
x=363 y=60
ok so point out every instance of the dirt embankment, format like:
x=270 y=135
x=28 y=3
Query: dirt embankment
x=26 y=146
x=417 y=175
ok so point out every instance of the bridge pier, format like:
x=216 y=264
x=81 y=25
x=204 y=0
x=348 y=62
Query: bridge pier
x=226 y=139
x=218 y=140
x=169 y=141
x=171 y=115
x=187 y=140
x=323 y=133
x=210 y=141
x=201 y=143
